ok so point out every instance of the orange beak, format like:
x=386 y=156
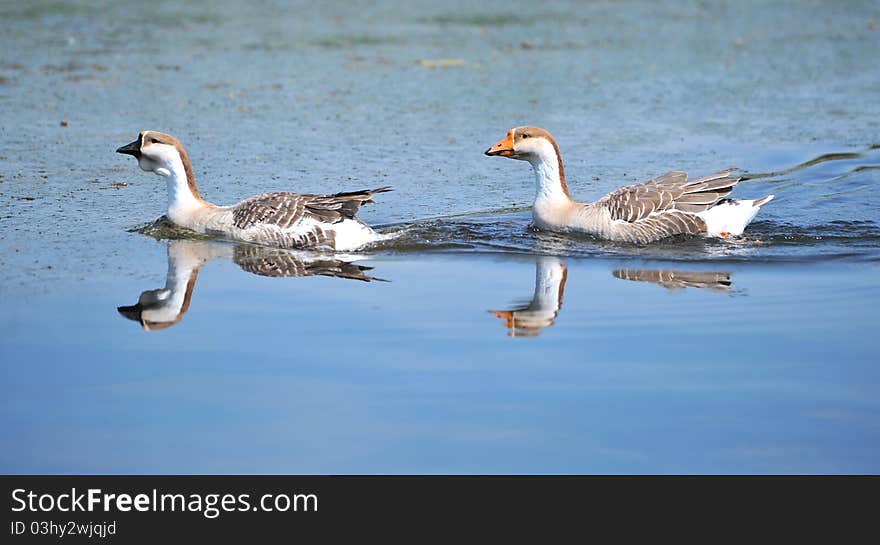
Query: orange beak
x=503 y=147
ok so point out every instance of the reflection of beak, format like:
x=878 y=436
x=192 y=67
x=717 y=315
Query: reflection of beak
x=505 y=315
x=132 y=312
x=503 y=147
x=133 y=148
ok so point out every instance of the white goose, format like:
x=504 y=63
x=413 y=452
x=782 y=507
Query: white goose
x=285 y=220
x=665 y=206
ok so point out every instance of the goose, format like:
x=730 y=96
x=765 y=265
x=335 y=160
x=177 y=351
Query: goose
x=285 y=220
x=665 y=206
x=164 y=307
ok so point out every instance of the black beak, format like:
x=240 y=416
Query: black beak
x=133 y=148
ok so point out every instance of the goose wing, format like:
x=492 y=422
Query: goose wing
x=670 y=279
x=282 y=263
x=666 y=205
x=672 y=191
x=286 y=210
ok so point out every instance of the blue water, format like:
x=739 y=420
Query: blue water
x=414 y=375
x=470 y=343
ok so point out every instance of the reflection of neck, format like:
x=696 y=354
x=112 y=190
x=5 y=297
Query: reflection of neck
x=183 y=270
x=192 y=254
x=180 y=288
x=549 y=175
x=185 y=257
x=550 y=276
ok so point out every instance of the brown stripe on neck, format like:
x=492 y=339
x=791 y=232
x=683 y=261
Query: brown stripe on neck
x=187 y=167
x=561 y=292
x=187 y=297
x=561 y=168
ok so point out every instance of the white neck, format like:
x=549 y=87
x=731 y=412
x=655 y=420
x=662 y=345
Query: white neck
x=548 y=182
x=181 y=200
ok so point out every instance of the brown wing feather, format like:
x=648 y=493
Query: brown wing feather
x=285 y=210
x=279 y=263
x=662 y=224
x=670 y=192
x=677 y=279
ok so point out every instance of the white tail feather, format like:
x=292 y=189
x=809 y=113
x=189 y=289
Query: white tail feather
x=732 y=216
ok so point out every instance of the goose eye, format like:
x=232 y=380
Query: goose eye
x=525 y=135
x=154 y=141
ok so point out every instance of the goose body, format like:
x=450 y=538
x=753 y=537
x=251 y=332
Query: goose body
x=665 y=206
x=284 y=220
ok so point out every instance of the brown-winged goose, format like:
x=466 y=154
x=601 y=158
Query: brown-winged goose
x=285 y=220
x=668 y=205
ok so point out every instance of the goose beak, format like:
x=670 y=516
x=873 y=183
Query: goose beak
x=134 y=148
x=503 y=147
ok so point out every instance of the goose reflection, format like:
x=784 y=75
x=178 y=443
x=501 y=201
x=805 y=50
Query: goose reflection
x=677 y=280
x=528 y=320
x=164 y=307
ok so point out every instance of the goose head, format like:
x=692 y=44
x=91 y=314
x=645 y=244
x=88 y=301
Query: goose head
x=164 y=155
x=156 y=152
x=535 y=145
x=525 y=143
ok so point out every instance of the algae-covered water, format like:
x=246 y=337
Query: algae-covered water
x=470 y=342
